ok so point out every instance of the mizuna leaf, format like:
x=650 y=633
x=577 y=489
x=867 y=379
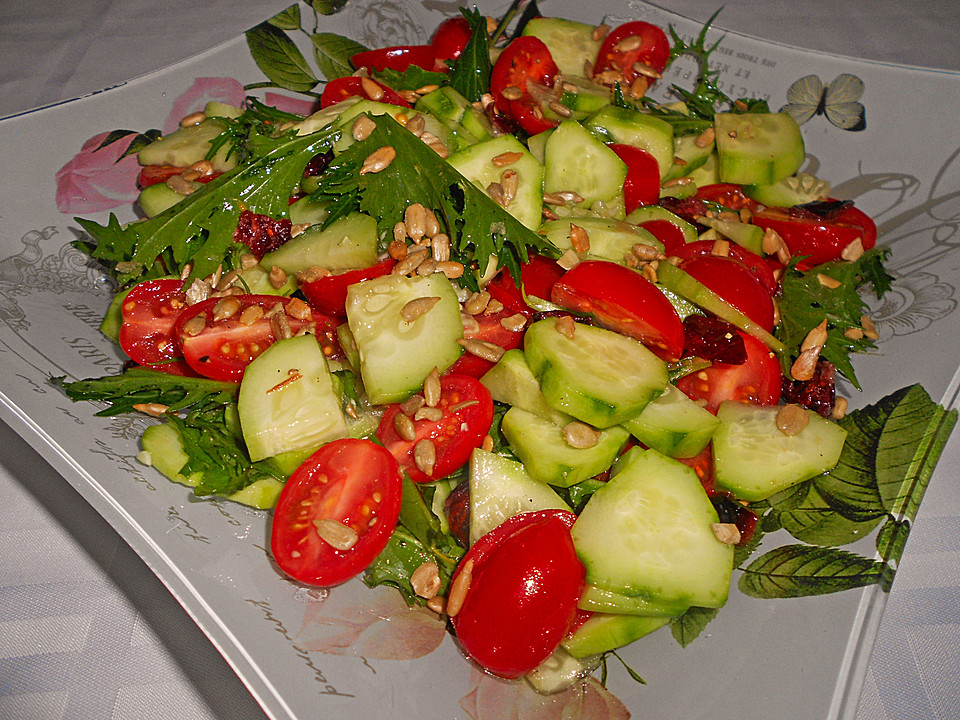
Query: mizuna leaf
x=470 y=75
x=279 y=58
x=288 y=19
x=686 y=628
x=333 y=53
x=803 y=570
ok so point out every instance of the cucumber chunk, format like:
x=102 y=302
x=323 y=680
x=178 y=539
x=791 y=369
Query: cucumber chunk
x=609 y=631
x=559 y=671
x=547 y=456
x=689 y=154
x=575 y=160
x=501 y=488
x=598 y=376
x=350 y=242
x=794 y=190
x=609 y=239
x=753 y=459
x=510 y=381
x=287 y=400
x=154 y=199
x=673 y=424
x=187 y=145
x=758 y=148
x=597 y=599
x=648 y=534
x=743 y=234
x=396 y=355
x=642 y=130
x=571 y=44
x=649 y=213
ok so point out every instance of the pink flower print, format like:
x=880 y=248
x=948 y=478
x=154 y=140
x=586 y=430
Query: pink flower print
x=93 y=180
x=203 y=90
x=382 y=627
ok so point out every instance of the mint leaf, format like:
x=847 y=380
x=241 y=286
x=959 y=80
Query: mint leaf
x=815 y=522
x=327 y=7
x=136 y=145
x=802 y=571
x=279 y=58
x=470 y=75
x=288 y=19
x=686 y=628
x=892 y=539
x=333 y=53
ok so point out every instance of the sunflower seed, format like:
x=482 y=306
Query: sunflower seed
x=151 y=409
x=417 y=308
x=482 y=349
x=336 y=534
x=425 y=580
x=459 y=588
x=425 y=456
x=506 y=158
x=362 y=127
x=404 y=427
x=378 y=160
x=727 y=533
x=277 y=277
x=580 y=435
x=792 y=419
x=194 y=118
x=431 y=388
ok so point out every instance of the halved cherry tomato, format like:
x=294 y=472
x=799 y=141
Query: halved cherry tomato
x=351 y=487
x=820 y=239
x=729 y=195
x=525 y=582
x=352 y=86
x=736 y=284
x=147 y=334
x=642 y=184
x=467 y=413
x=450 y=39
x=488 y=329
x=537 y=276
x=398 y=57
x=155 y=174
x=652 y=49
x=622 y=299
x=222 y=349
x=756 y=381
x=666 y=232
x=524 y=60
x=328 y=294
x=757 y=265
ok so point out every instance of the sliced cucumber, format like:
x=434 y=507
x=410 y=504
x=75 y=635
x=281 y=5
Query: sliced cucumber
x=753 y=459
x=325 y=117
x=598 y=376
x=400 y=114
x=256 y=280
x=610 y=239
x=154 y=199
x=597 y=599
x=648 y=534
x=575 y=160
x=187 y=145
x=218 y=109
x=537 y=144
x=306 y=211
x=501 y=488
x=396 y=355
x=642 y=130
x=708 y=173
x=287 y=400
x=546 y=455
x=673 y=424
x=476 y=163
x=261 y=494
x=350 y=242
x=690 y=155
x=650 y=213
x=794 y=190
x=510 y=381
x=609 y=631
x=113 y=319
x=758 y=148
x=559 y=671
x=571 y=44
x=743 y=234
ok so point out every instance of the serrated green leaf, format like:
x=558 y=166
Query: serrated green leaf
x=413 y=78
x=470 y=75
x=333 y=53
x=403 y=554
x=892 y=539
x=327 y=7
x=686 y=628
x=279 y=58
x=803 y=570
x=815 y=522
x=288 y=19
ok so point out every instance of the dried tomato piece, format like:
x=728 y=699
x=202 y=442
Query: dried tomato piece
x=713 y=339
x=687 y=208
x=819 y=393
x=457 y=507
x=317 y=164
x=730 y=511
x=261 y=233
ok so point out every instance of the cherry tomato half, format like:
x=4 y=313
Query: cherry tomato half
x=155 y=174
x=147 y=335
x=349 y=489
x=352 y=86
x=524 y=60
x=622 y=299
x=467 y=413
x=736 y=284
x=397 y=58
x=757 y=381
x=666 y=232
x=328 y=294
x=820 y=239
x=651 y=48
x=450 y=39
x=642 y=184
x=488 y=329
x=757 y=265
x=222 y=348
x=522 y=598
x=537 y=276
x=729 y=195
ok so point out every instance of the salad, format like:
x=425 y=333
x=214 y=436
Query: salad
x=496 y=329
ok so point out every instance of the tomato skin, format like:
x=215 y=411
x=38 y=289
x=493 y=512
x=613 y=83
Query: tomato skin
x=351 y=86
x=398 y=57
x=351 y=481
x=756 y=264
x=654 y=50
x=522 y=599
x=622 y=299
x=489 y=329
x=155 y=174
x=757 y=381
x=525 y=59
x=729 y=195
x=328 y=294
x=666 y=232
x=819 y=239
x=224 y=348
x=454 y=436
x=736 y=284
x=642 y=184
x=147 y=334
x=537 y=276
x=450 y=39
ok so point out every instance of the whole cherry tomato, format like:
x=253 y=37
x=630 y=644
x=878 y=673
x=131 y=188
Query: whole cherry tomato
x=450 y=39
x=524 y=60
x=642 y=184
x=525 y=582
x=397 y=58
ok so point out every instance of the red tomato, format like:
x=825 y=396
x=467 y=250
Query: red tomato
x=735 y=284
x=666 y=232
x=702 y=465
x=147 y=334
x=222 y=349
x=461 y=428
x=729 y=195
x=537 y=277
x=328 y=294
x=642 y=184
x=525 y=582
x=524 y=60
x=154 y=174
x=653 y=50
x=350 y=482
x=489 y=329
x=397 y=58
x=757 y=265
x=820 y=239
x=352 y=86
x=450 y=39
x=755 y=381
x=622 y=299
